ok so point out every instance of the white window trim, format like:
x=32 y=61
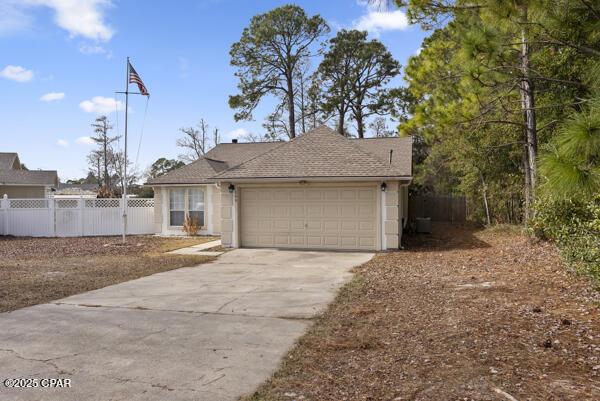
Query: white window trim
x=185 y=205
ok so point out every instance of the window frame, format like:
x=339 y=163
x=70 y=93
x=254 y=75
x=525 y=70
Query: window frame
x=186 y=204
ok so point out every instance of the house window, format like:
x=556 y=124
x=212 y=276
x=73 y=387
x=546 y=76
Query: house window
x=196 y=205
x=176 y=207
x=186 y=201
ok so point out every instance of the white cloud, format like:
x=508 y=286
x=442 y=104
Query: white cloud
x=49 y=97
x=16 y=73
x=63 y=143
x=376 y=21
x=85 y=140
x=83 y=18
x=101 y=105
x=88 y=49
x=12 y=17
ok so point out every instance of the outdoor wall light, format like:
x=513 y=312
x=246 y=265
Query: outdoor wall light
x=231 y=188
x=383 y=186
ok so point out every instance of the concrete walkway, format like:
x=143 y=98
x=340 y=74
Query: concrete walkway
x=200 y=249
x=212 y=332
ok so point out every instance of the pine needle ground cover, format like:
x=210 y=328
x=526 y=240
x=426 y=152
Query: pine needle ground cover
x=464 y=314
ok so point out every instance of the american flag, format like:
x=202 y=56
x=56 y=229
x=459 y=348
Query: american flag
x=134 y=78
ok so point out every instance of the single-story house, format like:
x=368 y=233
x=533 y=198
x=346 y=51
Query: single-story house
x=318 y=191
x=76 y=190
x=17 y=182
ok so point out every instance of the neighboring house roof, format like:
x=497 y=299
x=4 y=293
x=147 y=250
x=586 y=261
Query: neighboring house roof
x=76 y=189
x=28 y=177
x=83 y=187
x=11 y=173
x=324 y=153
x=9 y=161
x=321 y=152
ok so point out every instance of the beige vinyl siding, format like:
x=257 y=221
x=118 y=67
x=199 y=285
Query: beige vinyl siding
x=158 y=217
x=22 y=191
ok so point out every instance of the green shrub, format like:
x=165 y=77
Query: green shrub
x=574 y=225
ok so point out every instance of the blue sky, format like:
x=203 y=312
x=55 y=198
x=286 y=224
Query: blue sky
x=61 y=62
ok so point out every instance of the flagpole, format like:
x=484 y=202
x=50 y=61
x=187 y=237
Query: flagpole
x=125 y=155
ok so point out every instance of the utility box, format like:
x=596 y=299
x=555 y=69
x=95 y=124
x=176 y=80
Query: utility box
x=423 y=225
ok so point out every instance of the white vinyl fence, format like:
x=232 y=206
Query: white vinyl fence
x=74 y=217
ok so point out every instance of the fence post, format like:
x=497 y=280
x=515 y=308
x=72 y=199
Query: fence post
x=4 y=206
x=81 y=206
x=52 y=216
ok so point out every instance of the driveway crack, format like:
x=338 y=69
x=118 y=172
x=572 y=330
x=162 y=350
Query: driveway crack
x=44 y=361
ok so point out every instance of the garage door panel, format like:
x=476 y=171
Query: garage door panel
x=348 y=211
x=265 y=225
x=366 y=242
x=265 y=240
x=331 y=226
x=320 y=218
x=280 y=211
x=296 y=211
x=348 y=226
x=366 y=210
x=314 y=240
x=281 y=225
x=366 y=225
x=314 y=195
x=366 y=195
x=314 y=225
x=331 y=211
x=296 y=194
x=349 y=242
x=330 y=241
x=297 y=225
x=314 y=211
x=281 y=240
x=347 y=194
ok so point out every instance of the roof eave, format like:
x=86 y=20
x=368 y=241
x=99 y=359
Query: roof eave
x=408 y=179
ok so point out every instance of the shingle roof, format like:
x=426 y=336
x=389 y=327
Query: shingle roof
x=11 y=172
x=319 y=153
x=324 y=153
x=380 y=147
x=27 y=177
x=236 y=153
x=218 y=159
x=197 y=172
x=7 y=160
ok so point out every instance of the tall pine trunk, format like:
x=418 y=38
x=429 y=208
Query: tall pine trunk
x=527 y=175
x=340 y=125
x=528 y=106
x=360 y=125
x=290 y=101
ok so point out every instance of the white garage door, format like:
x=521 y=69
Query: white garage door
x=322 y=218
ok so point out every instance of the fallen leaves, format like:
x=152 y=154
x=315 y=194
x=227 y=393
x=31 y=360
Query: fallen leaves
x=463 y=314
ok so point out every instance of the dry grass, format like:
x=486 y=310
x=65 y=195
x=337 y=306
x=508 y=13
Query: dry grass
x=460 y=315
x=38 y=270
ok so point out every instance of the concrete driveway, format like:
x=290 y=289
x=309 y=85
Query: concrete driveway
x=212 y=332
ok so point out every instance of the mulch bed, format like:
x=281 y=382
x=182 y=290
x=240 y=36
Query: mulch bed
x=38 y=270
x=464 y=314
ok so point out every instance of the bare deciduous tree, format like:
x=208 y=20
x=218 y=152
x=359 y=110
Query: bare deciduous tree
x=195 y=141
x=104 y=141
